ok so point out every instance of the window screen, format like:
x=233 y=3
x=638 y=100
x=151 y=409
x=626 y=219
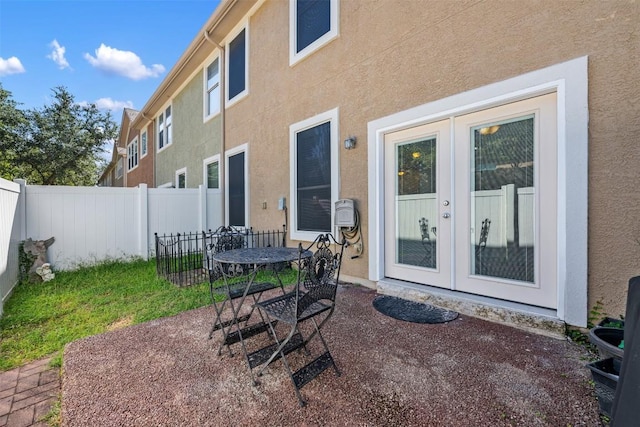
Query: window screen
x=313 y=21
x=237 y=65
x=313 y=162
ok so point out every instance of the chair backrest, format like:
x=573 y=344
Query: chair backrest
x=319 y=274
x=223 y=239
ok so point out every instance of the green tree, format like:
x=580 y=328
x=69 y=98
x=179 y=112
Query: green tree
x=11 y=121
x=59 y=144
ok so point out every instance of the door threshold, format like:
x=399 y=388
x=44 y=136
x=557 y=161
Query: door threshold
x=533 y=319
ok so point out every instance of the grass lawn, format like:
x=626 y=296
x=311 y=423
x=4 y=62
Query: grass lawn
x=40 y=319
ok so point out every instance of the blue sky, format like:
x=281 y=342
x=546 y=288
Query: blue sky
x=109 y=52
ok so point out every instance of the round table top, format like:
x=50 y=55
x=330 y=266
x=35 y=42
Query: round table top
x=269 y=255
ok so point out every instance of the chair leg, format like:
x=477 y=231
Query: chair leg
x=326 y=347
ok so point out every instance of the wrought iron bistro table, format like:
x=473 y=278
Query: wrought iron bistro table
x=240 y=268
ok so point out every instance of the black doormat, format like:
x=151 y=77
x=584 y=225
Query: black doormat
x=411 y=311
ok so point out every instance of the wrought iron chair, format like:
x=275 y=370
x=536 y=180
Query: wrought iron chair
x=224 y=239
x=312 y=301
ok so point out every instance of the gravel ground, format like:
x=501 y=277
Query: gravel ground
x=468 y=372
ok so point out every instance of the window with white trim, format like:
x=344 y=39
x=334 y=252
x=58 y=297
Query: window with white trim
x=211 y=171
x=312 y=24
x=143 y=144
x=314 y=174
x=164 y=128
x=237 y=59
x=132 y=154
x=181 y=178
x=212 y=88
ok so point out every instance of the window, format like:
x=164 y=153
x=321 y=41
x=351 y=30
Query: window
x=211 y=172
x=312 y=24
x=132 y=154
x=143 y=144
x=237 y=66
x=119 y=168
x=236 y=187
x=181 y=178
x=314 y=175
x=164 y=129
x=212 y=89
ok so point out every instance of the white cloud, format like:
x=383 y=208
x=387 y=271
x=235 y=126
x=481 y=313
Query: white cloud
x=10 y=66
x=57 y=55
x=108 y=104
x=123 y=63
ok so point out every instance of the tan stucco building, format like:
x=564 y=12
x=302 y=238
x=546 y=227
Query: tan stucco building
x=491 y=146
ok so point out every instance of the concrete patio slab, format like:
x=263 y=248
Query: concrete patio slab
x=468 y=372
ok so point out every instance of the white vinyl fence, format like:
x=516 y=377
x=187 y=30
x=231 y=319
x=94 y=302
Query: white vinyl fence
x=11 y=228
x=496 y=205
x=92 y=224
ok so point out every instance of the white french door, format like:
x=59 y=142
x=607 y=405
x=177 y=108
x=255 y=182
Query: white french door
x=475 y=209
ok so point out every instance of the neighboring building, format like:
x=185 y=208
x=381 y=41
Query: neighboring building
x=140 y=154
x=495 y=142
x=115 y=173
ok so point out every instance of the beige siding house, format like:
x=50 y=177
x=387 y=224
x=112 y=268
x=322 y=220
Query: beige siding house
x=489 y=148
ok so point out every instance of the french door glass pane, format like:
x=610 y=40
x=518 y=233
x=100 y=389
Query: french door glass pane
x=503 y=199
x=416 y=203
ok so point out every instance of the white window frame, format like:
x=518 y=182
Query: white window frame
x=334 y=32
x=167 y=128
x=133 y=154
x=245 y=92
x=205 y=173
x=328 y=116
x=144 y=146
x=206 y=89
x=182 y=171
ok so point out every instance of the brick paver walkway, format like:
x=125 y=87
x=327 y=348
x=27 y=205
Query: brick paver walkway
x=27 y=393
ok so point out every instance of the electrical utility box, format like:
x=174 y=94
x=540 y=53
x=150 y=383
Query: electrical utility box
x=345 y=215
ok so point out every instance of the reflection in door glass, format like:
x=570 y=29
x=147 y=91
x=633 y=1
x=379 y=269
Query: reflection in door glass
x=502 y=199
x=416 y=203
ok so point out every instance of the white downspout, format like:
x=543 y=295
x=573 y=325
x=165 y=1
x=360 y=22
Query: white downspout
x=222 y=126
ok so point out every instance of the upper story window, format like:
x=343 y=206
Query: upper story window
x=132 y=154
x=312 y=24
x=237 y=66
x=164 y=128
x=314 y=174
x=212 y=89
x=143 y=143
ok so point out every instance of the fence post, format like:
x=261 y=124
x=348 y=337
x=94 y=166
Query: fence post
x=202 y=213
x=22 y=208
x=143 y=220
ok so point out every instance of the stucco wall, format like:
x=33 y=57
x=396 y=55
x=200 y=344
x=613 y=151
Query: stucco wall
x=392 y=55
x=193 y=140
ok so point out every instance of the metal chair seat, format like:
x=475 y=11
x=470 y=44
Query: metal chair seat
x=283 y=308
